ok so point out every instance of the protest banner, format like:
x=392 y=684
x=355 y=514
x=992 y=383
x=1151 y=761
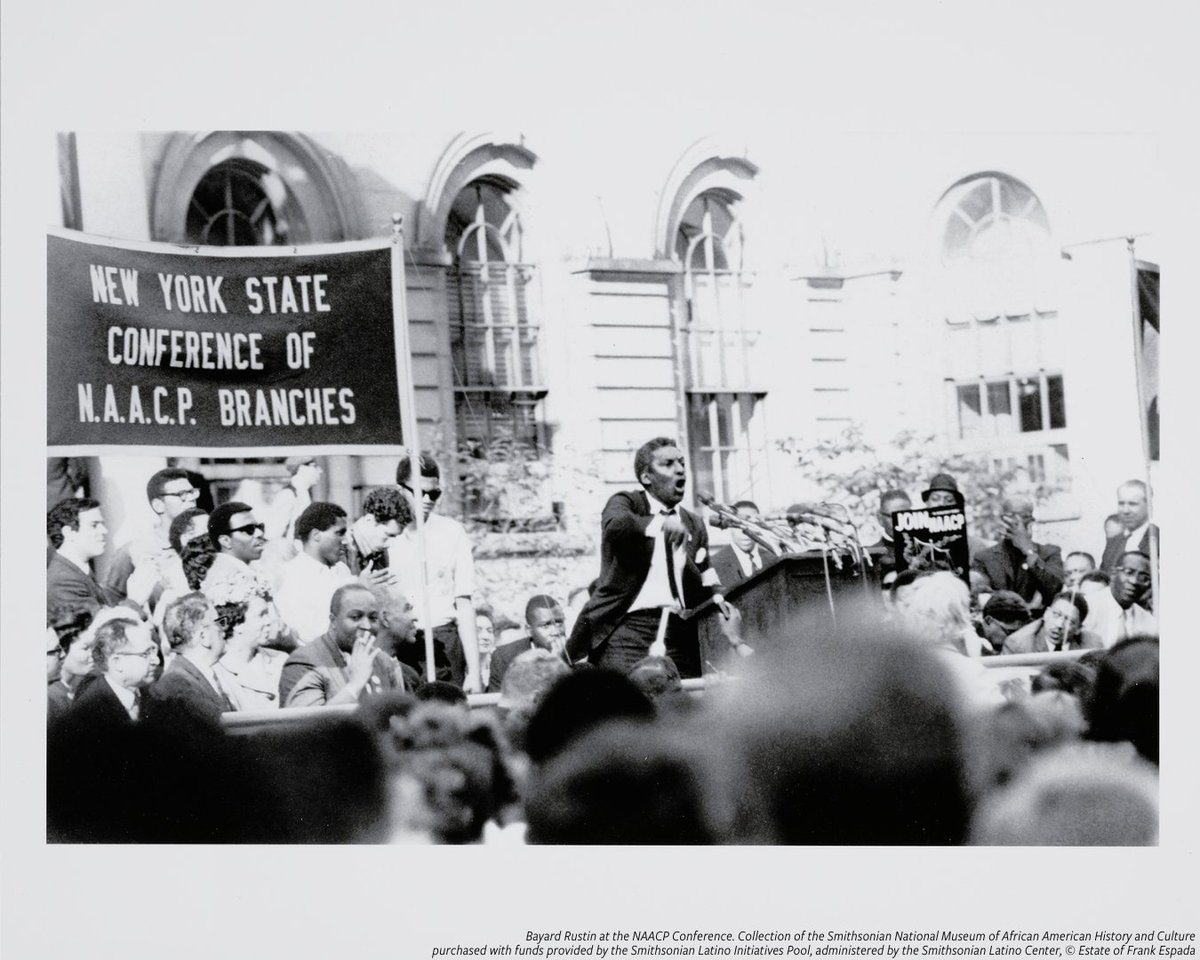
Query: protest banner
x=932 y=539
x=171 y=350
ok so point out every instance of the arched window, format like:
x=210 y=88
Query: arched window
x=494 y=336
x=726 y=436
x=241 y=203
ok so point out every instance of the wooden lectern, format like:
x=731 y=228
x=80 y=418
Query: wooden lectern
x=801 y=592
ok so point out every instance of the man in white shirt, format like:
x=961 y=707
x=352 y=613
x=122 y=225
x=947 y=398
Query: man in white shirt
x=309 y=579
x=1133 y=510
x=1117 y=613
x=451 y=576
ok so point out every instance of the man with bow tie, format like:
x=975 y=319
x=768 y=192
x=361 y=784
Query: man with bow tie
x=654 y=564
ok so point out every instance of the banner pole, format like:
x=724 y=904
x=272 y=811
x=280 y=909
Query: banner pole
x=408 y=424
x=1135 y=309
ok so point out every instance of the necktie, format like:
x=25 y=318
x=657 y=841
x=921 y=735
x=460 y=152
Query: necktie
x=755 y=562
x=136 y=710
x=671 y=562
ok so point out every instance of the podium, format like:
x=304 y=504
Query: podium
x=796 y=593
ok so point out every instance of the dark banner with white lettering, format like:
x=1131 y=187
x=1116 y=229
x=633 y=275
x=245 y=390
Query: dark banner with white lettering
x=932 y=539
x=153 y=345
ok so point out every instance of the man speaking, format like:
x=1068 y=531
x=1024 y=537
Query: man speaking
x=653 y=564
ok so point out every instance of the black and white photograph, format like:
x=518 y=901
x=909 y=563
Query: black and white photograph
x=635 y=433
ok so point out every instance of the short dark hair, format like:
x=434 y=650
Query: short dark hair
x=218 y=520
x=182 y=617
x=335 y=602
x=645 y=455
x=181 y=523
x=320 y=516
x=197 y=555
x=540 y=601
x=428 y=467
x=746 y=505
x=1082 y=553
x=154 y=486
x=386 y=504
x=1075 y=598
x=66 y=513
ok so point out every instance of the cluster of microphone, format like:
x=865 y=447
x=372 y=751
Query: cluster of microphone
x=802 y=528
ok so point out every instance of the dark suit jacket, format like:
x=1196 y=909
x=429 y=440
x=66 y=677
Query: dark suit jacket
x=1115 y=546
x=625 y=556
x=729 y=570
x=68 y=586
x=96 y=709
x=1008 y=569
x=183 y=689
x=502 y=657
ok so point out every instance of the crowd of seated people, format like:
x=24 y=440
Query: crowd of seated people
x=893 y=728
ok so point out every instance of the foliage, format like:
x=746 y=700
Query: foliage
x=853 y=470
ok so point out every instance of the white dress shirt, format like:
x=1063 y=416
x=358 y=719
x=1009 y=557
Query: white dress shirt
x=306 y=590
x=450 y=566
x=1107 y=623
x=656 y=591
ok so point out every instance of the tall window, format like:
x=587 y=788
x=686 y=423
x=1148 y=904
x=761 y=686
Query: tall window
x=494 y=338
x=1011 y=405
x=727 y=439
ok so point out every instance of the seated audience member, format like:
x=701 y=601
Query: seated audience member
x=1076 y=566
x=1057 y=629
x=169 y=493
x=1117 y=613
x=450 y=775
x=1004 y=613
x=485 y=634
x=890 y=501
x=183 y=574
x=308 y=580
x=1016 y=563
x=76 y=530
x=344 y=663
x=71 y=656
x=624 y=783
x=397 y=632
x=742 y=557
x=127 y=661
x=1122 y=704
x=547 y=631
x=386 y=511
x=1077 y=795
x=578 y=702
x=248 y=672
x=189 y=689
x=186 y=527
x=1136 y=533
x=937 y=615
x=1003 y=741
x=526 y=682
x=823 y=731
x=1074 y=677
x=238 y=539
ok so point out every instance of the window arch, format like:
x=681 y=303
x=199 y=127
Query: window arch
x=251 y=189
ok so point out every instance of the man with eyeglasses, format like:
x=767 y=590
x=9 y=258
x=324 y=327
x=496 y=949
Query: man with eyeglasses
x=148 y=559
x=238 y=537
x=451 y=573
x=1118 y=612
x=127 y=661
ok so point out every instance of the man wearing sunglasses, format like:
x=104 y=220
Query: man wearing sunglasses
x=1118 y=613
x=238 y=537
x=169 y=492
x=451 y=573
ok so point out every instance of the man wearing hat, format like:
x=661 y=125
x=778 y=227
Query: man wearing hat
x=943 y=492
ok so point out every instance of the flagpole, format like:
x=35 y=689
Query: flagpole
x=408 y=423
x=1135 y=309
